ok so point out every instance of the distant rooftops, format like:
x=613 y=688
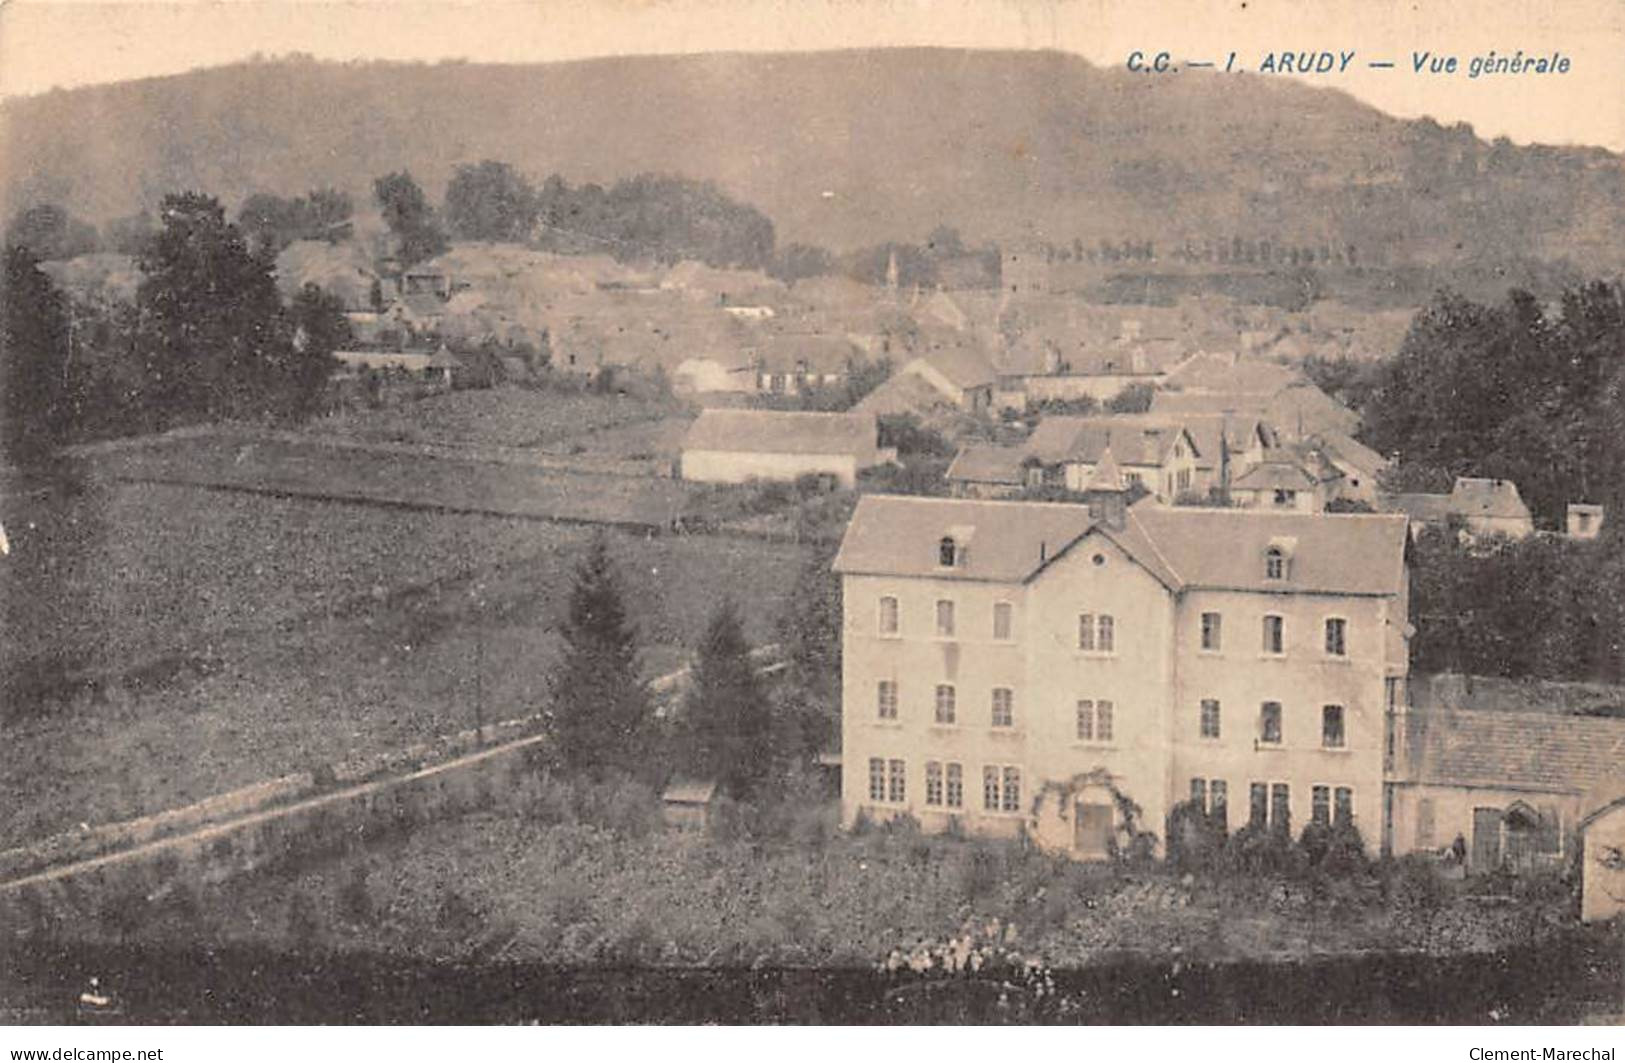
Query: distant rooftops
x=1469 y=497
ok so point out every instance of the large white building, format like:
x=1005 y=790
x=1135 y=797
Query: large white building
x=1022 y=665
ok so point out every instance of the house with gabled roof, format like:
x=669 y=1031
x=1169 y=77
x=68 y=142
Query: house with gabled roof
x=1157 y=453
x=1480 y=506
x=960 y=374
x=737 y=446
x=1017 y=667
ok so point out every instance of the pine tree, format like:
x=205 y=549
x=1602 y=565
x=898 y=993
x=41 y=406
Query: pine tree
x=726 y=716
x=601 y=709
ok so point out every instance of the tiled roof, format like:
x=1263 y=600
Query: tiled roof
x=1224 y=548
x=1514 y=750
x=902 y=393
x=1133 y=440
x=1475 y=497
x=1181 y=547
x=1341 y=446
x=1269 y=475
x=1469 y=497
x=986 y=463
x=776 y=432
x=964 y=367
x=1216 y=373
x=821 y=353
x=899 y=534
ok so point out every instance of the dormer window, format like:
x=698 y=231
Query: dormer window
x=947 y=552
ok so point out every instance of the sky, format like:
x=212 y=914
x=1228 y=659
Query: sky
x=69 y=43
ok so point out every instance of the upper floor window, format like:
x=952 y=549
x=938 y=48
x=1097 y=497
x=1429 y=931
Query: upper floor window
x=1212 y=632
x=1274 y=563
x=1094 y=720
x=947 y=552
x=1286 y=498
x=1337 y=637
x=1269 y=723
x=1004 y=707
x=945 y=703
x=1274 y=635
x=1331 y=726
x=888 y=615
x=1097 y=634
x=1210 y=718
x=1002 y=616
x=945 y=619
x=886 y=700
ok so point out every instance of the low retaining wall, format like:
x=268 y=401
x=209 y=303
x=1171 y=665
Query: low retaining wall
x=315 y=826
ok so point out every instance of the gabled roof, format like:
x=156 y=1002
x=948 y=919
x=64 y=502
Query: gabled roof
x=902 y=393
x=1340 y=446
x=1515 y=750
x=986 y=463
x=1133 y=439
x=1472 y=496
x=1224 y=548
x=1468 y=497
x=1181 y=547
x=1242 y=376
x=779 y=432
x=1274 y=474
x=962 y=366
x=820 y=353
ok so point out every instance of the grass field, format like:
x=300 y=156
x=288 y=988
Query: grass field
x=245 y=461
x=504 y=416
x=165 y=643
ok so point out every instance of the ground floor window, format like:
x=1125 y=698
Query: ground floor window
x=1212 y=796
x=944 y=784
x=896 y=790
x=1320 y=805
x=1001 y=788
x=1270 y=805
x=888 y=781
x=877 y=779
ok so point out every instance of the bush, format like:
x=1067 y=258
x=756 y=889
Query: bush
x=1415 y=882
x=1195 y=841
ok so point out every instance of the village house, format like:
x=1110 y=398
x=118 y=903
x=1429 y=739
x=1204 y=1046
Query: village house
x=1298 y=478
x=1157 y=454
x=987 y=470
x=957 y=375
x=1018 y=666
x=792 y=363
x=736 y=446
x=1479 y=506
x=1512 y=785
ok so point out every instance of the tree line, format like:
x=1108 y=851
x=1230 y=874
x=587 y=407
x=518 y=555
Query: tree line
x=1525 y=392
x=208 y=337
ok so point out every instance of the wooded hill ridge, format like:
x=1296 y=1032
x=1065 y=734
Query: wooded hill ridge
x=845 y=148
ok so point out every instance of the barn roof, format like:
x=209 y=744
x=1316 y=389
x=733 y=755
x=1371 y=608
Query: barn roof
x=1514 y=750
x=781 y=432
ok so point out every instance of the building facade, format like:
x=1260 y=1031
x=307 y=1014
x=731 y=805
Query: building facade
x=1020 y=666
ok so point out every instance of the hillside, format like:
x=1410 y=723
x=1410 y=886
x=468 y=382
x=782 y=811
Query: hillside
x=846 y=148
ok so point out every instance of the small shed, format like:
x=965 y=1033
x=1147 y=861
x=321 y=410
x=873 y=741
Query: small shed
x=688 y=804
x=441 y=365
x=1602 y=841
